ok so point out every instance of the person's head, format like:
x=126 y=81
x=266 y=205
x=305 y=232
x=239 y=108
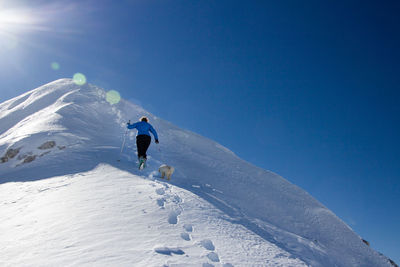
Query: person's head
x=144 y=118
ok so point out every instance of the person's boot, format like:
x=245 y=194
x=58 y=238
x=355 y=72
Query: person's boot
x=142 y=163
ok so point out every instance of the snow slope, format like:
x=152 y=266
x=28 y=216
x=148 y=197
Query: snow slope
x=114 y=218
x=66 y=199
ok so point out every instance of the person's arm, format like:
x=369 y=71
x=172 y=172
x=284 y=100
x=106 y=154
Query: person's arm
x=154 y=133
x=131 y=126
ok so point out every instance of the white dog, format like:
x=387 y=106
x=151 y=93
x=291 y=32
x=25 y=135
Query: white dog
x=166 y=170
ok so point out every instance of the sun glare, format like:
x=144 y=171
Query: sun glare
x=19 y=22
x=11 y=20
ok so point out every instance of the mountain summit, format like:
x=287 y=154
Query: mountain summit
x=66 y=200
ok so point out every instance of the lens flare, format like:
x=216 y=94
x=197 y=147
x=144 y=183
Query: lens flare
x=55 y=66
x=79 y=78
x=113 y=97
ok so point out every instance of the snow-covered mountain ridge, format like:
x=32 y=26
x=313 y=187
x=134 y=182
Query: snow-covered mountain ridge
x=67 y=199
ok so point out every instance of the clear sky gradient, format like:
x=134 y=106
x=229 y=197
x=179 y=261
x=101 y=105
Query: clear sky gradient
x=306 y=89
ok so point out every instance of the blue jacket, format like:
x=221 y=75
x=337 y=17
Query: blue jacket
x=143 y=128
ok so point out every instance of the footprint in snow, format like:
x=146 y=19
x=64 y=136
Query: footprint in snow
x=176 y=199
x=160 y=191
x=185 y=236
x=188 y=227
x=213 y=256
x=169 y=251
x=207 y=265
x=173 y=217
x=207 y=244
x=227 y=265
x=161 y=202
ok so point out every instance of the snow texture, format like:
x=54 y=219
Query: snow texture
x=66 y=200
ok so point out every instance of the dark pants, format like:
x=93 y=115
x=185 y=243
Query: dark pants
x=142 y=142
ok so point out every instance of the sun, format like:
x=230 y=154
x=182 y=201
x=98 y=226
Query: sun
x=13 y=20
x=13 y=23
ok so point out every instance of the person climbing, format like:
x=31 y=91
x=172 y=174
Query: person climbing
x=143 y=138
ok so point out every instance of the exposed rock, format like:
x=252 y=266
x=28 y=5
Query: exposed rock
x=365 y=242
x=11 y=153
x=29 y=158
x=393 y=263
x=61 y=147
x=48 y=145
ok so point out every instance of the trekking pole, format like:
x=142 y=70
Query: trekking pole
x=123 y=143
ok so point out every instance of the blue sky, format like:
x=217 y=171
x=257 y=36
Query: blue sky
x=309 y=90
